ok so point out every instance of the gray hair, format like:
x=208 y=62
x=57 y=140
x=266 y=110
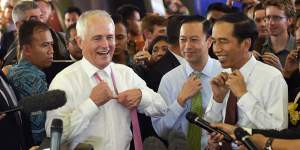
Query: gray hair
x=82 y=22
x=18 y=13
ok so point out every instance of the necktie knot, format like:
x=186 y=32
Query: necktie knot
x=196 y=73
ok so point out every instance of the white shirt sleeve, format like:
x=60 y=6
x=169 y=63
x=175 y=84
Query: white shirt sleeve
x=270 y=113
x=164 y=124
x=75 y=119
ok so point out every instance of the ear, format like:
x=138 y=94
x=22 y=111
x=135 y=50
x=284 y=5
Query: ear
x=246 y=44
x=290 y=21
x=79 y=42
x=208 y=42
x=25 y=50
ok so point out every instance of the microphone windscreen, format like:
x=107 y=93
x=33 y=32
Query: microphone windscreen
x=57 y=125
x=152 y=142
x=240 y=133
x=43 y=102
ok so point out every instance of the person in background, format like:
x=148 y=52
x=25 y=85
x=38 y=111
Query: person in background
x=259 y=14
x=72 y=46
x=121 y=51
x=27 y=77
x=45 y=8
x=158 y=48
x=71 y=16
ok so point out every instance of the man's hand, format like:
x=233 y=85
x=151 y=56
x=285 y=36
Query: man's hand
x=101 y=93
x=291 y=63
x=257 y=55
x=141 y=56
x=219 y=88
x=271 y=59
x=130 y=98
x=236 y=83
x=229 y=129
x=259 y=140
x=189 y=89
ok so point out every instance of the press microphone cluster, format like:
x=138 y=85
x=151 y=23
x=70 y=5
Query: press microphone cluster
x=244 y=137
x=195 y=119
x=42 y=102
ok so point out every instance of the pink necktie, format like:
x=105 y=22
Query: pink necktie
x=138 y=145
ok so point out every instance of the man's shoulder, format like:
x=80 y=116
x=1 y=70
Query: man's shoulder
x=174 y=74
x=267 y=70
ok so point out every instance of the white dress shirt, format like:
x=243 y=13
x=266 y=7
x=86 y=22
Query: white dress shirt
x=170 y=86
x=265 y=104
x=107 y=127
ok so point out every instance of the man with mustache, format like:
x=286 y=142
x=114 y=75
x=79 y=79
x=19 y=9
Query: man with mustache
x=101 y=96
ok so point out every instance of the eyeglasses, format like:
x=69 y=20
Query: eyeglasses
x=274 y=18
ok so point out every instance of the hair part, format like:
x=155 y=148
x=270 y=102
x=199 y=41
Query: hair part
x=18 y=13
x=243 y=27
x=82 y=23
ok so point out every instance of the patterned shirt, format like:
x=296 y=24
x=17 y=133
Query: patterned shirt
x=28 y=80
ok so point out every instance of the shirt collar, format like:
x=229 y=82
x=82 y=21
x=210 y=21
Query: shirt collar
x=289 y=46
x=247 y=68
x=23 y=62
x=90 y=69
x=207 y=70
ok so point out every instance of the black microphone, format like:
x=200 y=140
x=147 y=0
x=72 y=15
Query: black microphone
x=42 y=102
x=195 y=119
x=244 y=137
x=56 y=131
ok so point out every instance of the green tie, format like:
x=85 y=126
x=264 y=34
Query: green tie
x=194 y=132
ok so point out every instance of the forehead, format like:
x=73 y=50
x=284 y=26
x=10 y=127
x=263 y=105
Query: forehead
x=72 y=14
x=191 y=28
x=222 y=30
x=274 y=10
x=259 y=13
x=42 y=35
x=97 y=25
x=120 y=28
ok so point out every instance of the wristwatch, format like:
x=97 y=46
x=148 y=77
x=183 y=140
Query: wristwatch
x=268 y=145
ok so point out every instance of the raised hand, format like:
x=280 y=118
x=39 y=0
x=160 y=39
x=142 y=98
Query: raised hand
x=101 y=93
x=291 y=63
x=189 y=89
x=130 y=98
x=219 y=88
x=236 y=83
x=271 y=59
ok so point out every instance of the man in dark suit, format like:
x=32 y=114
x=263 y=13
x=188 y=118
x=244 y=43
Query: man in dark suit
x=171 y=59
x=14 y=127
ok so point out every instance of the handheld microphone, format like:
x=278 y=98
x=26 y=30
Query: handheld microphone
x=56 y=131
x=195 y=119
x=42 y=102
x=244 y=137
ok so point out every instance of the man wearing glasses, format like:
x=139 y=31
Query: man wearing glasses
x=279 y=14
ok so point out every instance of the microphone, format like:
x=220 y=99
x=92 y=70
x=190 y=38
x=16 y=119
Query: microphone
x=195 y=119
x=42 y=102
x=244 y=137
x=56 y=131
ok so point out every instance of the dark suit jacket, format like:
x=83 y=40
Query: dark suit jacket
x=293 y=133
x=159 y=69
x=12 y=135
x=6 y=40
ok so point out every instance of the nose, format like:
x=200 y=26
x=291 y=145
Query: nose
x=50 y=49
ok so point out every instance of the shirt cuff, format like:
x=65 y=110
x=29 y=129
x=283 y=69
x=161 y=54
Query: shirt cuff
x=88 y=108
x=144 y=101
x=249 y=130
x=176 y=108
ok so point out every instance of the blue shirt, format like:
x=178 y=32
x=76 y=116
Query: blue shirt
x=28 y=80
x=170 y=86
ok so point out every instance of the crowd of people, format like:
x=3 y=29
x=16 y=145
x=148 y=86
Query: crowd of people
x=130 y=79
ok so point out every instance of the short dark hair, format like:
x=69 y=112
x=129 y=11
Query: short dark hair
x=27 y=29
x=155 y=40
x=68 y=32
x=127 y=11
x=73 y=9
x=173 y=28
x=218 y=6
x=117 y=18
x=257 y=7
x=196 y=18
x=286 y=5
x=243 y=27
x=149 y=21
